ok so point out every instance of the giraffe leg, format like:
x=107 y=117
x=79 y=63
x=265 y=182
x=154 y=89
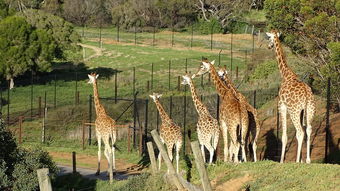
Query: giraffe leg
x=211 y=151
x=283 y=115
x=169 y=147
x=235 y=143
x=244 y=131
x=159 y=160
x=113 y=159
x=309 y=118
x=256 y=132
x=178 y=148
x=203 y=153
x=299 y=133
x=99 y=139
x=225 y=139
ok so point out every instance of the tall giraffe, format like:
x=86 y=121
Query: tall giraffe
x=295 y=97
x=170 y=133
x=233 y=115
x=254 y=128
x=105 y=126
x=207 y=127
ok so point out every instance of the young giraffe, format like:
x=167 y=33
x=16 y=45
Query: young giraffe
x=105 y=126
x=233 y=115
x=207 y=126
x=254 y=128
x=294 y=97
x=170 y=133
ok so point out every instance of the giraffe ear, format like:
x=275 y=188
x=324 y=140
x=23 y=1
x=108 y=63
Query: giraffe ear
x=278 y=34
x=159 y=95
x=212 y=62
x=97 y=76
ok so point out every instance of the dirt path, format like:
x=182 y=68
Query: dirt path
x=87 y=165
x=98 y=51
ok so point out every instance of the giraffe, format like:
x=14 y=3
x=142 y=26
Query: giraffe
x=105 y=126
x=207 y=127
x=170 y=133
x=233 y=115
x=252 y=112
x=295 y=97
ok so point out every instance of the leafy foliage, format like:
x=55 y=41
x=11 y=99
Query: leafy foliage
x=18 y=166
x=205 y=27
x=23 y=47
x=263 y=70
x=309 y=28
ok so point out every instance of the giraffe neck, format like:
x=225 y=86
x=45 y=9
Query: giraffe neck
x=164 y=116
x=98 y=106
x=221 y=88
x=200 y=107
x=286 y=72
x=229 y=84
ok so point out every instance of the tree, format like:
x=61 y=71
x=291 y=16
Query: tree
x=23 y=48
x=223 y=11
x=64 y=36
x=311 y=29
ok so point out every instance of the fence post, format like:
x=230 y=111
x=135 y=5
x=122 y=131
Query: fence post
x=74 y=163
x=31 y=94
x=192 y=35
x=135 y=34
x=254 y=99
x=169 y=72
x=90 y=117
x=152 y=157
x=252 y=34
x=134 y=81
x=83 y=134
x=20 y=129
x=76 y=90
x=219 y=58
x=172 y=36
x=8 y=102
x=327 y=118
x=184 y=119
x=166 y=158
x=118 y=31
x=43 y=138
x=45 y=99
x=129 y=139
x=153 y=36
x=178 y=83
x=157 y=120
x=170 y=106
x=39 y=106
x=200 y=166
x=236 y=73
x=140 y=145
x=55 y=91
x=134 y=121
x=148 y=86
x=211 y=37
x=116 y=85
x=151 y=75
x=44 y=179
x=146 y=123
x=231 y=55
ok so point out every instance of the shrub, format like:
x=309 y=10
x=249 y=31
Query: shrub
x=204 y=27
x=263 y=70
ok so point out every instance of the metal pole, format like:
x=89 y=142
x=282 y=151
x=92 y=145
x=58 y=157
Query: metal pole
x=172 y=36
x=45 y=99
x=20 y=129
x=254 y=99
x=116 y=85
x=169 y=72
x=252 y=34
x=186 y=65
x=8 y=102
x=134 y=120
x=327 y=119
x=134 y=81
x=192 y=35
x=118 y=31
x=31 y=95
x=74 y=162
x=211 y=37
x=135 y=34
x=153 y=37
x=231 y=56
x=170 y=106
x=146 y=124
x=90 y=117
x=151 y=75
x=76 y=100
x=219 y=58
x=55 y=91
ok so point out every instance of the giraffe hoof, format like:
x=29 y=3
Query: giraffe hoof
x=308 y=161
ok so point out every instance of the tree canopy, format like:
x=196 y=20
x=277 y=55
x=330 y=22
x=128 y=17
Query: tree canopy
x=24 y=48
x=311 y=29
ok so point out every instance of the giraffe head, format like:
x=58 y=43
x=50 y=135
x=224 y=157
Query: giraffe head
x=155 y=96
x=222 y=72
x=204 y=68
x=271 y=35
x=93 y=78
x=186 y=79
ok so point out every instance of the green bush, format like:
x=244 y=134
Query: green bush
x=204 y=27
x=263 y=70
x=18 y=166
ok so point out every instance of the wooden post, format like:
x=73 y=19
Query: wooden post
x=83 y=134
x=152 y=157
x=44 y=180
x=236 y=73
x=166 y=158
x=178 y=83
x=44 y=126
x=129 y=139
x=74 y=163
x=20 y=129
x=140 y=146
x=200 y=166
